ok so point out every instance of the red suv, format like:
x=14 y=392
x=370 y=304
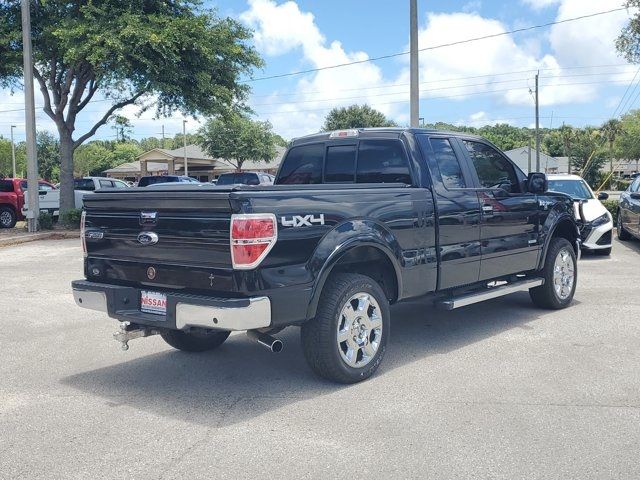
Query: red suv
x=12 y=199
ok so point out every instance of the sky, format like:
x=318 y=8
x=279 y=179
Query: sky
x=582 y=78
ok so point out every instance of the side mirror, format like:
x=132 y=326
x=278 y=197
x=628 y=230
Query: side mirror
x=537 y=183
x=603 y=196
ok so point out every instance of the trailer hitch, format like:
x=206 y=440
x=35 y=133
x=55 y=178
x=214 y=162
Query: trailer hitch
x=129 y=332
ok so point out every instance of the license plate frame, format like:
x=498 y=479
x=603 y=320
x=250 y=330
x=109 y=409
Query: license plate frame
x=153 y=302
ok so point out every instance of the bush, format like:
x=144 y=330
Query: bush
x=45 y=220
x=612 y=206
x=71 y=218
x=622 y=184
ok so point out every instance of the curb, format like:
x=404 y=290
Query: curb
x=32 y=237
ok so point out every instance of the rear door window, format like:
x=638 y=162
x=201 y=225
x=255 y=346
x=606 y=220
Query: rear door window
x=302 y=165
x=340 y=164
x=382 y=161
x=448 y=163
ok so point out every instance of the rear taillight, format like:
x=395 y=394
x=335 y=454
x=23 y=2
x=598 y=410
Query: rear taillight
x=252 y=237
x=83 y=240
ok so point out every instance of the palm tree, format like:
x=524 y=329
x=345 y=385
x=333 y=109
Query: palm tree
x=611 y=129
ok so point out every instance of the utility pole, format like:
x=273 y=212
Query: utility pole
x=162 y=136
x=30 y=121
x=529 y=157
x=184 y=142
x=537 y=126
x=414 y=95
x=13 y=152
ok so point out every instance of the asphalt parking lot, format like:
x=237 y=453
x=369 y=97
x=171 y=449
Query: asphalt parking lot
x=496 y=390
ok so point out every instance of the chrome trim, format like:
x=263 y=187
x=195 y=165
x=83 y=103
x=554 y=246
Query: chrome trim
x=255 y=315
x=494 y=292
x=91 y=300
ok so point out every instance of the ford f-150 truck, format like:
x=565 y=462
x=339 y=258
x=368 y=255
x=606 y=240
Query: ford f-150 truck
x=357 y=220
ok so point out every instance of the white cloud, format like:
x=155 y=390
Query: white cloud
x=480 y=119
x=540 y=4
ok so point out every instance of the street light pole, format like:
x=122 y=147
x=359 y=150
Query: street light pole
x=30 y=120
x=13 y=152
x=184 y=143
x=414 y=95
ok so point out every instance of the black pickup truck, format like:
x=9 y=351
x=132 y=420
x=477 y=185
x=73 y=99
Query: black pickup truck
x=357 y=220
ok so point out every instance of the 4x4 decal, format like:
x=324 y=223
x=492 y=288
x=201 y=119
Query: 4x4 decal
x=302 y=220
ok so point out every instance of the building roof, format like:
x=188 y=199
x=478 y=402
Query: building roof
x=134 y=167
x=256 y=164
x=520 y=157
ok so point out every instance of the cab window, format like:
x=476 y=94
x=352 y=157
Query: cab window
x=382 y=161
x=302 y=165
x=340 y=164
x=493 y=169
x=448 y=163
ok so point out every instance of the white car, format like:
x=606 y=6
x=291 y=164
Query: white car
x=597 y=228
x=88 y=185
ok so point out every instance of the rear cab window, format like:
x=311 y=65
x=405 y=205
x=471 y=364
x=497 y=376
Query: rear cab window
x=362 y=161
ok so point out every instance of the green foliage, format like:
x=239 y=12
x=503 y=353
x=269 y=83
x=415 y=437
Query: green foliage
x=45 y=221
x=237 y=139
x=91 y=159
x=174 y=55
x=71 y=218
x=612 y=206
x=48 y=148
x=355 y=116
x=628 y=43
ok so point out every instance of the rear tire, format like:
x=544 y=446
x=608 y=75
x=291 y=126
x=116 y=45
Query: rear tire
x=347 y=339
x=622 y=233
x=194 y=342
x=560 y=275
x=7 y=217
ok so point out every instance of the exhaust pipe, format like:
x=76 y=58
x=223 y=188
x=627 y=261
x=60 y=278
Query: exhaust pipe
x=267 y=341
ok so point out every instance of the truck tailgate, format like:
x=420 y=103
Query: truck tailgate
x=192 y=226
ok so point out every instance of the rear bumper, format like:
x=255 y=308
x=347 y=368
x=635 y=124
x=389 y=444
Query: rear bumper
x=183 y=310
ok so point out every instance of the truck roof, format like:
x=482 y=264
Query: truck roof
x=390 y=132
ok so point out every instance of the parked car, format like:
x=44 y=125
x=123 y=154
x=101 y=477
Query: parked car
x=245 y=178
x=596 y=223
x=628 y=224
x=356 y=221
x=151 y=179
x=88 y=185
x=12 y=199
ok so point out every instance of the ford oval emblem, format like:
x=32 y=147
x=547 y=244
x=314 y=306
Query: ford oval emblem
x=147 y=238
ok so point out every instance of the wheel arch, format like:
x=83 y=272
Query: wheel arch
x=564 y=227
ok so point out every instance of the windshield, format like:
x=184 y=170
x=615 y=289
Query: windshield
x=576 y=189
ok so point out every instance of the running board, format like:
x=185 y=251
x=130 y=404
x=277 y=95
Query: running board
x=489 y=293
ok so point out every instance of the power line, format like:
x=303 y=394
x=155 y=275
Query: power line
x=450 y=44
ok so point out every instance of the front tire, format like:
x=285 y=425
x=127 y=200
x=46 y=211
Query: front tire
x=347 y=339
x=622 y=233
x=560 y=275
x=7 y=217
x=194 y=341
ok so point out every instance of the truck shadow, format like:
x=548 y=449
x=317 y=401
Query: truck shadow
x=241 y=380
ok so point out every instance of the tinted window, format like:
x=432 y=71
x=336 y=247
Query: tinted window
x=302 y=165
x=635 y=186
x=382 y=161
x=85 y=184
x=118 y=184
x=41 y=186
x=226 y=179
x=340 y=164
x=247 y=179
x=494 y=170
x=6 y=186
x=448 y=163
x=106 y=184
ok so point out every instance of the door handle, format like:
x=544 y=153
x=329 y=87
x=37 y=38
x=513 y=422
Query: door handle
x=487 y=210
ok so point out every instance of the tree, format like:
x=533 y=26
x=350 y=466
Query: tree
x=627 y=144
x=91 y=159
x=611 y=129
x=628 y=43
x=355 y=116
x=174 y=55
x=587 y=153
x=48 y=149
x=236 y=139
x=123 y=127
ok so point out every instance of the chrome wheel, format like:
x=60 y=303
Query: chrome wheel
x=563 y=274
x=359 y=330
x=5 y=218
